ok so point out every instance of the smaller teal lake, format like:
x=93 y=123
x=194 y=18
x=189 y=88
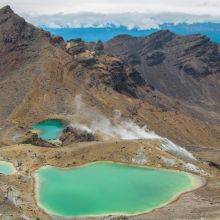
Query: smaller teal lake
x=7 y=168
x=105 y=188
x=49 y=129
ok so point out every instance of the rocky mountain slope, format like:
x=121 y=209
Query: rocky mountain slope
x=185 y=68
x=167 y=82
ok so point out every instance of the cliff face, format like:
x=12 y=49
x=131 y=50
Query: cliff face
x=30 y=64
x=41 y=73
x=169 y=82
x=185 y=68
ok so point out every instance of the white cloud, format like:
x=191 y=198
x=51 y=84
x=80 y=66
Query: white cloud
x=129 y=20
x=197 y=7
x=142 y=14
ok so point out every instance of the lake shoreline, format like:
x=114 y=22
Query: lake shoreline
x=196 y=181
x=12 y=170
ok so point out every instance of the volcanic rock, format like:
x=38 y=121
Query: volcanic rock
x=86 y=58
x=75 y=46
x=72 y=134
x=186 y=68
x=99 y=48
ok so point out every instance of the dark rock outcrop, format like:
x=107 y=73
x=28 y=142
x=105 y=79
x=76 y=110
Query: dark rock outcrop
x=57 y=41
x=155 y=58
x=213 y=164
x=99 y=48
x=86 y=58
x=75 y=46
x=137 y=78
x=72 y=134
x=185 y=68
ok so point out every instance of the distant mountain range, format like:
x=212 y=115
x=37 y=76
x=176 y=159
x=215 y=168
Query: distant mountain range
x=212 y=30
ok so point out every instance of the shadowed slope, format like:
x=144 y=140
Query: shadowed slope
x=184 y=68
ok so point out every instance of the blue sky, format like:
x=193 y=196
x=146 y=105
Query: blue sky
x=130 y=13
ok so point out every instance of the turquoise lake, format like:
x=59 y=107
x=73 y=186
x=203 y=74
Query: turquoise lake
x=105 y=188
x=6 y=168
x=50 y=129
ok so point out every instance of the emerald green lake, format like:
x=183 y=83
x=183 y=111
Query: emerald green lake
x=6 y=168
x=105 y=188
x=50 y=129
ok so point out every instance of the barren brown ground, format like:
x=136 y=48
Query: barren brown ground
x=19 y=188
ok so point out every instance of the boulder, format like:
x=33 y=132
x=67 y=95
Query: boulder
x=74 y=47
x=72 y=134
x=99 y=48
x=56 y=40
x=86 y=58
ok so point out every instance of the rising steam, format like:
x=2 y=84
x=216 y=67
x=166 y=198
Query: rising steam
x=90 y=120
